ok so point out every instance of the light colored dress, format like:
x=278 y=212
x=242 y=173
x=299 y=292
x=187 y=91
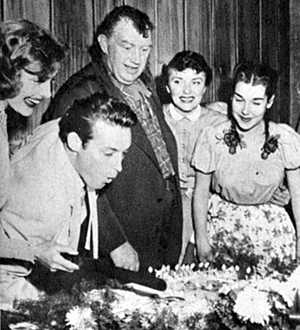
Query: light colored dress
x=239 y=213
x=186 y=130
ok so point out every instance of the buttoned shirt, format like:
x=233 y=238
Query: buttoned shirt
x=186 y=129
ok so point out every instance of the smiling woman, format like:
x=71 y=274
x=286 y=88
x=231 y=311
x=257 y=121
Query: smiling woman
x=244 y=160
x=30 y=57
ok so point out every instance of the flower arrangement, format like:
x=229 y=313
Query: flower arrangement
x=240 y=294
x=255 y=303
x=261 y=303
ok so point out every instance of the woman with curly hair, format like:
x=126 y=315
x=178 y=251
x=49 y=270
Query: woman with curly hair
x=29 y=58
x=245 y=160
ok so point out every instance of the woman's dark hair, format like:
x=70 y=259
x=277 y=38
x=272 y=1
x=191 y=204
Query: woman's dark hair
x=140 y=21
x=188 y=60
x=83 y=114
x=256 y=74
x=22 y=44
x=183 y=60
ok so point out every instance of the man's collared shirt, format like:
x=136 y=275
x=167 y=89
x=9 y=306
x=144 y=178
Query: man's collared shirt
x=137 y=97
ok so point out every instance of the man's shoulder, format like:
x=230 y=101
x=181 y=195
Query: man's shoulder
x=80 y=85
x=84 y=79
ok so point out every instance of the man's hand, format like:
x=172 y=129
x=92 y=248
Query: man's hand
x=220 y=107
x=281 y=196
x=49 y=254
x=126 y=257
x=204 y=250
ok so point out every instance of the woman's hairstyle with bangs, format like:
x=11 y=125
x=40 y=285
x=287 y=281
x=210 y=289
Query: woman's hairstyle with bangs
x=23 y=43
x=188 y=60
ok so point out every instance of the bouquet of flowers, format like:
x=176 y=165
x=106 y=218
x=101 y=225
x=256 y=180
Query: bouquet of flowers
x=259 y=303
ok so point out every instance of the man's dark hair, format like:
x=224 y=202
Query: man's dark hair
x=83 y=114
x=140 y=21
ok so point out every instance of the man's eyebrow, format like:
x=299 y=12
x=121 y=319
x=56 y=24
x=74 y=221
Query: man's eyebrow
x=127 y=42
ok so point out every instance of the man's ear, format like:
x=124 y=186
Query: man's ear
x=103 y=43
x=74 y=142
x=270 y=102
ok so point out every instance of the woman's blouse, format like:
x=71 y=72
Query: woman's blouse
x=9 y=248
x=244 y=177
x=4 y=158
x=186 y=130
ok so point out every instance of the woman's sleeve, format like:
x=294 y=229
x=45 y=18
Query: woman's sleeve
x=204 y=155
x=4 y=168
x=290 y=144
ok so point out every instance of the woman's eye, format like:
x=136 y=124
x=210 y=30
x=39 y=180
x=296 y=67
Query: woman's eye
x=238 y=100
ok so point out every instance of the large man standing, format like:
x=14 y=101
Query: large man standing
x=61 y=165
x=145 y=198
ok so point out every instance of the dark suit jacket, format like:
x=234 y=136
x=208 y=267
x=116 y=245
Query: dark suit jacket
x=136 y=199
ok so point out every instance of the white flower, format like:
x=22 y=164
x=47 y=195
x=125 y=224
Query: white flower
x=287 y=292
x=225 y=289
x=252 y=305
x=80 y=318
x=294 y=280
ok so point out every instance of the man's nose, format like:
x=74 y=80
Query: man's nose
x=135 y=55
x=118 y=163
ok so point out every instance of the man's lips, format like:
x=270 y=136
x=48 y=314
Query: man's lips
x=132 y=69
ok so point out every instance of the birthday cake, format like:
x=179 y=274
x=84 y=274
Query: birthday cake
x=194 y=299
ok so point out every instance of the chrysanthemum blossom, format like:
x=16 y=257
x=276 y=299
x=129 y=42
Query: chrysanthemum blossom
x=80 y=318
x=252 y=305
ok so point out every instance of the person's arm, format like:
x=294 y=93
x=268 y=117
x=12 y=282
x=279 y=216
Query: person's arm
x=112 y=239
x=47 y=253
x=281 y=196
x=293 y=178
x=220 y=107
x=200 y=208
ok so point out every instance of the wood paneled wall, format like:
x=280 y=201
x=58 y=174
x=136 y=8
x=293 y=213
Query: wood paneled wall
x=224 y=31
